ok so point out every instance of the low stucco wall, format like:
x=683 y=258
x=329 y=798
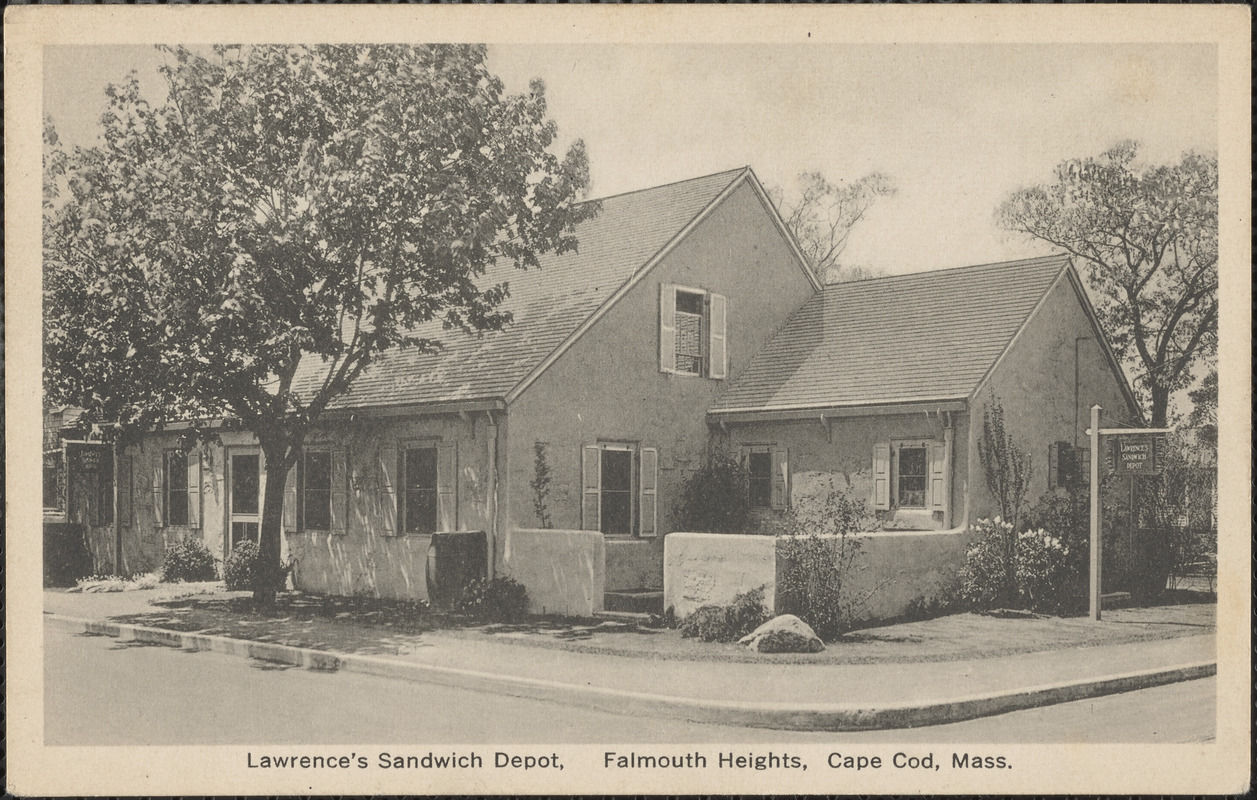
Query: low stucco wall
x=393 y=567
x=704 y=568
x=903 y=568
x=634 y=564
x=564 y=571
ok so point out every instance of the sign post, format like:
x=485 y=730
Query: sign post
x=1135 y=452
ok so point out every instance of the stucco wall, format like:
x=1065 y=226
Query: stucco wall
x=633 y=564
x=562 y=569
x=711 y=568
x=846 y=461
x=608 y=385
x=1036 y=386
x=897 y=570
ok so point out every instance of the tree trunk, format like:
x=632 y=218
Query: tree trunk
x=266 y=579
x=1160 y=406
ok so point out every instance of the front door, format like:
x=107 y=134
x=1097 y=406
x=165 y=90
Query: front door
x=244 y=501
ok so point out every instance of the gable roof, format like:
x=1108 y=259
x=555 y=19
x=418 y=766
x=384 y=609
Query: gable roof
x=549 y=304
x=903 y=338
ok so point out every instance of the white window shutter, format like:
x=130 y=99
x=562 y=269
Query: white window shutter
x=387 y=459
x=780 y=457
x=938 y=477
x=591 y=488
x=649 y=495
x=292 y=497
x=717 y=350
x=667 y=328
x=881 y=477
x=194 y=489
x=123 y=488
x=446 y=483
x=340 y=492
x=159 y=489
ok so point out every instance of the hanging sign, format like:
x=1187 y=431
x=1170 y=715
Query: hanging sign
x=1136 y=454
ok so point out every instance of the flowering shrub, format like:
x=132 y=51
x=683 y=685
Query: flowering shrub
x=1045 y=576
x=189 y=561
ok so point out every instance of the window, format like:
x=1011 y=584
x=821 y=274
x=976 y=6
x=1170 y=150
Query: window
x=692 y=326
x=54 y=481
x=176 y=499
x=620 y=482
x=419 y=495
x=316 y=491
x=910 y=492
x=760 y=467
x=767 y=468
x=104 y=490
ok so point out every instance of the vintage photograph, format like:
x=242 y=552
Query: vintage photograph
x=469 y=411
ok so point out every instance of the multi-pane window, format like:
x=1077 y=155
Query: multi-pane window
x=316 y=491
x=689 y=332
x=760 y=467
x=617 y=491
x=912 y=477
x=620 y=489
x=419 y=482
x=176 y=488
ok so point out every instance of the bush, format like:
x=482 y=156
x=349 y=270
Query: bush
x=243 y=570
x=66 y=557
x=984 y=578
x=501 y=599
x=1045 y=578
x=727 y=623
x=715 y=499
x=1045 y=572
x=189 y=561
x=816 y=557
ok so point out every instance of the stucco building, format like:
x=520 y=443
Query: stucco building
x=687 y=317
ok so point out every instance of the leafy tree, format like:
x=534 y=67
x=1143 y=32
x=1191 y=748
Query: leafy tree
x=822 y=214
x=1147 y=237
x=286 y=208
x=1007 y=468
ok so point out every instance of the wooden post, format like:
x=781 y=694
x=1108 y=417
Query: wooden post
x=1095 y=512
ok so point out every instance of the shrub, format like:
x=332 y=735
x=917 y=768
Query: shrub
x=816 y=558
x=727 y=623
x=66 y=557
x=243 y=570
x=715 y=499
x=1045 y=572
x=501 y=599
x=189 y=561
x=1045 y=578
x=984 y=580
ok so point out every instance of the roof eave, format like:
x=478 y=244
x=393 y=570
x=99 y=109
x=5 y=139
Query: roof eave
x=872 y=408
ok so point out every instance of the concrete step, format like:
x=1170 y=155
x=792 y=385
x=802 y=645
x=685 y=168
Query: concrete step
x=1114 y=599
x=638 y=601
x=623 y=616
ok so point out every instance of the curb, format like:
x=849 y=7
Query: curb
x=780 y=716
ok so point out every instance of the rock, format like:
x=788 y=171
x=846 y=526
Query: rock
x=784 y=634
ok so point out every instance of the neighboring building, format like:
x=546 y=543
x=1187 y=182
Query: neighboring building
x=687 y=317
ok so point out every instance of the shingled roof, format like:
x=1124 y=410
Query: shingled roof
x=903 y=338
x=548 y=304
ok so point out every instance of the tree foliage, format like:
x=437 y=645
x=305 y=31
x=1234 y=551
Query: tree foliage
x=289 y=207
x=1147 y=238
x=822 y=215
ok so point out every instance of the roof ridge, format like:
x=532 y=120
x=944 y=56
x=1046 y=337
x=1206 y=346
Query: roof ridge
x=729 y=172
x=924 y=272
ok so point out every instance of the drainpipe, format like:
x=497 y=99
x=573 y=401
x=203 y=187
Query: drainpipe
x=948 y=434
x=491 y=493
x=1077 y=385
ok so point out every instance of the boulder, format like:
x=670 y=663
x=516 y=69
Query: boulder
x=784 y=634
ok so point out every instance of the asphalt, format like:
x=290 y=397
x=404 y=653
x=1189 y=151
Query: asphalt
x=782 y=696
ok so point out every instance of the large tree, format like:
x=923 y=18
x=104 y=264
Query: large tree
x=1146 y=237
x=822 y=214
x=283 y=206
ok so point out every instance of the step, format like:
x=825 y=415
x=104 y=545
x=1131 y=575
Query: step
x=640 y=601
x=1114 y=599
x=623 y=616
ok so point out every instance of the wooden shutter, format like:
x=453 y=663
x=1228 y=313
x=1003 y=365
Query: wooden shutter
x=649 y=492
x=292 y=497
x=159 y=487
x=717 y=353
x=194 y=489
x=123 y=487
x=881 y=477
x=387 y=465
x=591 y=488
x=340 y=492
x=667 y=329
x=1054 y=465
x=446 y=487
x=938 y=477
x=780 y=477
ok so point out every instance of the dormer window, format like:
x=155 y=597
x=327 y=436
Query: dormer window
x=692 y=326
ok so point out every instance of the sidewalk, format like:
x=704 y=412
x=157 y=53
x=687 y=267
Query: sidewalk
x=823 y=696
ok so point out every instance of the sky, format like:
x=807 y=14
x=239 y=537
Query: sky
x=957 y=126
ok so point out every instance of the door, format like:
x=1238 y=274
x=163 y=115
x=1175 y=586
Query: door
x=617 y=491
x=244 y=501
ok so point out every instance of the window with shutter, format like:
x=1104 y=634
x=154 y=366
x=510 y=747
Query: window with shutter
x=591 y=488
x=781 y=477
x=339 y=499
x=717 y=349
x=649 y=500
x=291 y=499
x=446 y=487
x=667 y=328
x=386 y=472
x=881 y=477
x=194 y=489
x=758 y=462
x=176 y=488
x=419 y=490
x=938 y=488
x=693 y=332
x=314 y=510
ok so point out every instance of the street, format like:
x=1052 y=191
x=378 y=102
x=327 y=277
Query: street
x=100 y=691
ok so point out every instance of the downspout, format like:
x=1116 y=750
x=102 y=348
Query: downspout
x=1077 y=384
x=491 y=495
x=949 y=432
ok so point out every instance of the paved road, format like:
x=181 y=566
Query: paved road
x=99 y=691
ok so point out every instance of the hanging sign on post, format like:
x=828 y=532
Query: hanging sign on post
x=1137 y=454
